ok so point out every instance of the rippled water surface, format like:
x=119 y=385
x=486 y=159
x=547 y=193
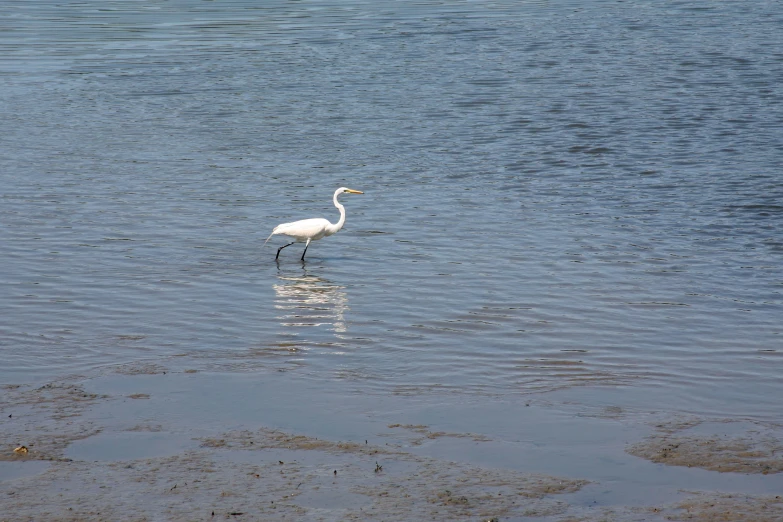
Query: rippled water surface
x=556 y=194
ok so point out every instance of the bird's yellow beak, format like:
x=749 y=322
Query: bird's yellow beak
x=354 y=191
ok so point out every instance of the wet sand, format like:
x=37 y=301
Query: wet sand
x=154 y=443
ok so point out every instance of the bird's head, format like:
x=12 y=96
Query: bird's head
x=343 y=190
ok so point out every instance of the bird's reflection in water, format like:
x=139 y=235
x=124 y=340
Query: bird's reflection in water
x=305 y=300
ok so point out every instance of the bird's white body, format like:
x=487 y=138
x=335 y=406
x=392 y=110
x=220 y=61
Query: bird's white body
x=313 y=229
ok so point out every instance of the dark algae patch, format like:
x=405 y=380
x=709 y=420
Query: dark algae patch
x=704 y=507
x=44 y=420
x=754 y=449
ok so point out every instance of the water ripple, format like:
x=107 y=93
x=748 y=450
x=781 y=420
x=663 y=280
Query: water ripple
x=553 y=197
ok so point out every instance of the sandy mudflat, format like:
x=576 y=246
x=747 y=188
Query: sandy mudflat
x=163 y=445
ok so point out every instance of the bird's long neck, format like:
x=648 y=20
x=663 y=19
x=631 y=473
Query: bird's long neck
x=336 y=227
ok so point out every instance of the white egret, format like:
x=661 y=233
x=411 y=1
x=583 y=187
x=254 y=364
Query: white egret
x=314 y=229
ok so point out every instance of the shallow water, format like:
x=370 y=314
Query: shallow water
x=556 y=194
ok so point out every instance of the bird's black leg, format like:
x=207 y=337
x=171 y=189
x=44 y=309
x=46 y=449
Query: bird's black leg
x=281 y=248
x=305 y=250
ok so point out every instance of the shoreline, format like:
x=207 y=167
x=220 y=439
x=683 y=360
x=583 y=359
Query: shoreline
x=178 y=445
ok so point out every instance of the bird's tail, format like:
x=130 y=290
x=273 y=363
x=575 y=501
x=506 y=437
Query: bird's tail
x=267 y=239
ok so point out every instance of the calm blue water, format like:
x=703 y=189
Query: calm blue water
x=556 y=194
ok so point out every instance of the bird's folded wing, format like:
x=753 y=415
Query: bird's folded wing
x=304 y=228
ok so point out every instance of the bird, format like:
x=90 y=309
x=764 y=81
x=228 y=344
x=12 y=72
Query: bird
x=313 y=229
